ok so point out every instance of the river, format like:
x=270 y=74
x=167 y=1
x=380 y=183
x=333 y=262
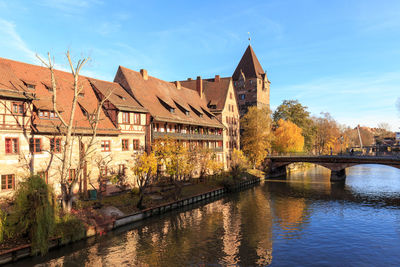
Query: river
x=302 y=221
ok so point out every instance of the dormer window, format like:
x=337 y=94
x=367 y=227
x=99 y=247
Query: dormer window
x=31 y=86
x=81 y=94
x=45 y=114
x=172 y=110
x=187 y=113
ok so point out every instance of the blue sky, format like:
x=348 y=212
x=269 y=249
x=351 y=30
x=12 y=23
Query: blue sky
x=341 y=57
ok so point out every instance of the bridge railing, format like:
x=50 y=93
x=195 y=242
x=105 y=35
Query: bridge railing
x=389 y=154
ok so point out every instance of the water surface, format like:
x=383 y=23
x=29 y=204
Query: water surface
x=303 y=221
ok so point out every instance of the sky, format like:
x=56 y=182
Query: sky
x=341 y=57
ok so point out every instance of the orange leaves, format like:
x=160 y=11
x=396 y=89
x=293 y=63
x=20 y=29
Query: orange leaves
x=288 y=137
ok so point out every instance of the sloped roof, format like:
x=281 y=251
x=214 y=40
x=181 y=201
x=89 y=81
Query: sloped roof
x=118 y=97
x=214 y=91
x=152 y=92
x=10 y=84
x=11 y=72
x=249 y=65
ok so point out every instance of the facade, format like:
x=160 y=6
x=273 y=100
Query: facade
x=251 y=82
x=175 y=111
x=139 y=109
x=31 y=134
x=222 y=102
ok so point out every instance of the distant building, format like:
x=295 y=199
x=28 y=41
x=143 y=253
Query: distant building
x=250 y=82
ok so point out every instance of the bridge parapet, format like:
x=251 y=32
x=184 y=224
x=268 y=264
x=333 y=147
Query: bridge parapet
x=337 y=163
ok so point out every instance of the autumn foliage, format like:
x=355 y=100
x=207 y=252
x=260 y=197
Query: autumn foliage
x=288 y=137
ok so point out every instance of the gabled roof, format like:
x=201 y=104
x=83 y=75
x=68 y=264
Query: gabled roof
x=249 y=65
x=10 y=84
x=154 y=93
x=215 y=91
x=118 y=97
x=12 y=75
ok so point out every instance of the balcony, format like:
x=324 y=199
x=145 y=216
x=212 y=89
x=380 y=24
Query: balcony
x=184 y=136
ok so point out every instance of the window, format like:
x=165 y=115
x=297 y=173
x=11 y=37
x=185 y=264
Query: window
x=125 y=144
x=18 y=108
x=136 y=144
x=35 y=145
x=45 y=114
x=30 y=86
x=125 y=117
x=12 y=145
x=230 y=95
x=7 y=182
x=44 y=175
x=105 y=145
x=172 y=110
x=71 y=175
x=121 y=169
x=242 y=96
x=136 y=118
x=103 y=171
x=55 y=145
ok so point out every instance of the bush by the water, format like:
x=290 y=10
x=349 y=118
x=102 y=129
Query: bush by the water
x=69 y=228
x=3 y=217
x=33 y=214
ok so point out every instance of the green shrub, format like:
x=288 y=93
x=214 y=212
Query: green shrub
x=135 y=191
x=70 y=228
x=33 y=214
x=3 y=217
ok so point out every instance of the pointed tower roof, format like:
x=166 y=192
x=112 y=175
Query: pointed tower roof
x=249 y=65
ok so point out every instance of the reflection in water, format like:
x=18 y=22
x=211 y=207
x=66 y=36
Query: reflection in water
x=304 y=220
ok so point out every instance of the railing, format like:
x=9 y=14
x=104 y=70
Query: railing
x=184 y=136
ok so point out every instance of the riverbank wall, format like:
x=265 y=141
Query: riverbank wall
x=15 y=254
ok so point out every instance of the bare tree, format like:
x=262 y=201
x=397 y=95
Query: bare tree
x=67 y=129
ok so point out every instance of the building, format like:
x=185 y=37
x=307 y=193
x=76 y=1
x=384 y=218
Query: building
x=32 y=136
x=222 y=101
x=175 y=111
x=251 y=82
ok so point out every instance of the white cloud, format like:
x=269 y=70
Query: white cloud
x=12 y=43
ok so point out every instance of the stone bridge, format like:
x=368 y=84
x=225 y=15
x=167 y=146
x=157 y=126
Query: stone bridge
x=337 y=163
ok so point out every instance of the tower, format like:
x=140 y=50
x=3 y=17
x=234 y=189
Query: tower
x=251 y=82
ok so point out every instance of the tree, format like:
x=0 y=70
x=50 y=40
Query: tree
x=256 y=139
x=288 y=137
x=238 y=163
x=328 y=135
x=33 y=213
x=67 y=129
x=292 y=110
x=144 y=169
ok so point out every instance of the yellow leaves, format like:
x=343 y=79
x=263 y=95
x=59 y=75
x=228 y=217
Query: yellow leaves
x=288 y=137
x=256 y=139
x=145 y=163
x=238 y=159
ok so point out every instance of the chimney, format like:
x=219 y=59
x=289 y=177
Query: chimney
x=178 y=85
x=216 y=78
x=199 y=86
x=144 y=74
x=189 y=79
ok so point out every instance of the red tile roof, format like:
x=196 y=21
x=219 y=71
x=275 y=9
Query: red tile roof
x=12 y=73
x=249 y=65
x=158 y=96
x=214 y=91
x=119 y=97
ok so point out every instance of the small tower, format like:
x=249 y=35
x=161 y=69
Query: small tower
x=251 y=82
